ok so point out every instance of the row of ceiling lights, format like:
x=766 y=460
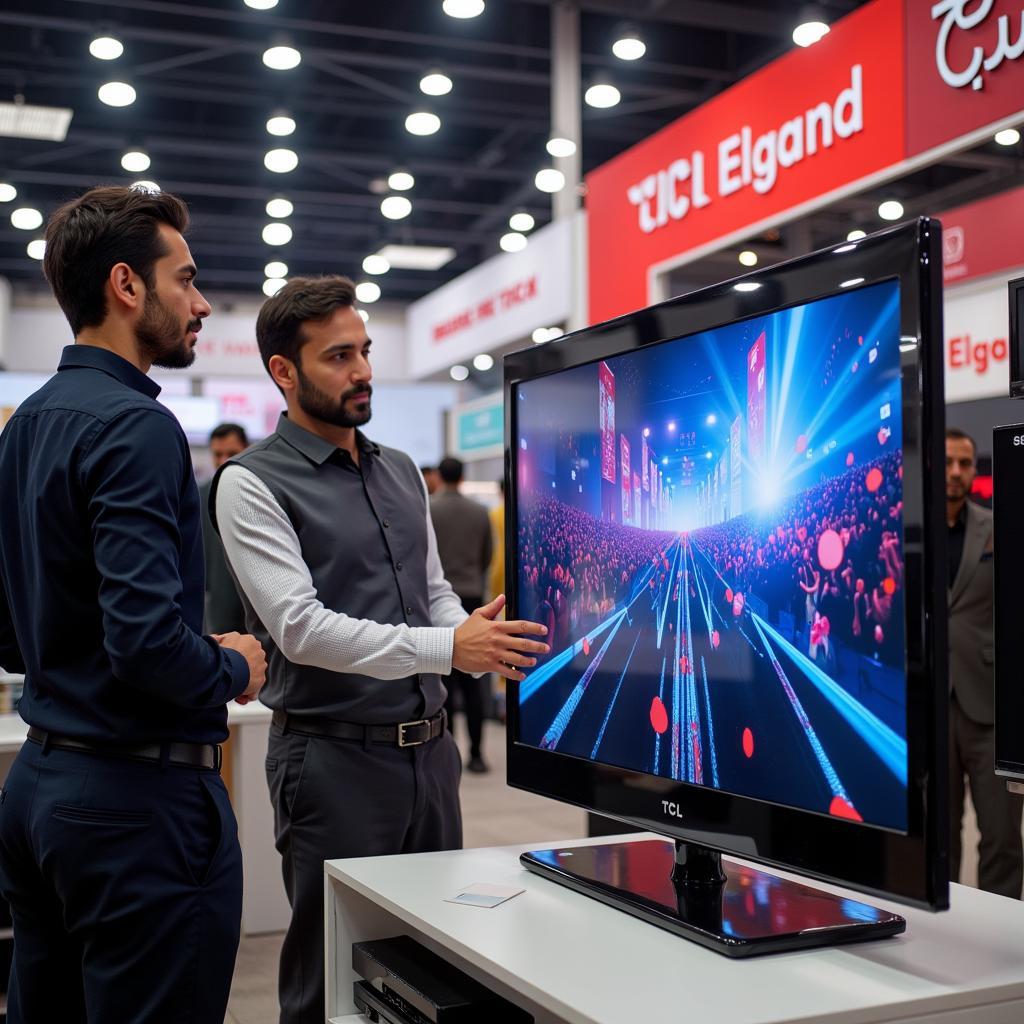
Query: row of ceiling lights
x=485 y=361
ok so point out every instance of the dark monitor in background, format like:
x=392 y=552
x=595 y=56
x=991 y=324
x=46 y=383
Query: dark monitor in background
x=729 y=511
x=1016 y=289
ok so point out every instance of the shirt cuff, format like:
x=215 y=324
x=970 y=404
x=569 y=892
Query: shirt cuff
x=434 y=648
x=239 y=669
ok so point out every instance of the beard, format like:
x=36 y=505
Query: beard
x=321 y=406
x=161 y=337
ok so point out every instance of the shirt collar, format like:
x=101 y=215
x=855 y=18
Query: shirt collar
x=94 y=358
x=316 y=448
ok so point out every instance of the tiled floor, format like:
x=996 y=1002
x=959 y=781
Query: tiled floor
x=493 y=815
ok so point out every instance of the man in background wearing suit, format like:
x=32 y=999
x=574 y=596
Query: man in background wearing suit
x=971 y=712
x=224 y=612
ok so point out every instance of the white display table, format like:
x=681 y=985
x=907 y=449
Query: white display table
x=567 y=958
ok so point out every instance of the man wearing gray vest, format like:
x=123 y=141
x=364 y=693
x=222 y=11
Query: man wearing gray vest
x=329 y=537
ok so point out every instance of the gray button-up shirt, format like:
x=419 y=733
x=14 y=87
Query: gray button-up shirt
x=337 y=564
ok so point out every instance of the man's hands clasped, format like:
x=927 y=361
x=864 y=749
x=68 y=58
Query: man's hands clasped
x=483 y=643
x=252 y=650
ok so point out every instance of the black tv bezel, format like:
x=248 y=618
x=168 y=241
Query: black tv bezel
x=912 y=867
x=1016 y=298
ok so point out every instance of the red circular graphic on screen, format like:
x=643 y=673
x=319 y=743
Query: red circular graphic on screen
x=830 y=550
x=879 y=635
x=748 y=743
x=883 y=435
x=849 y=459
x=586 y=646
x=715 y=639
x=659 y=716
x=728 y=594
x=873 y=480
x=889 y=585
x=737 y=605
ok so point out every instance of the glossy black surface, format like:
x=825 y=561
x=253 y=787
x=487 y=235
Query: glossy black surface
x=1016 y=290
x=751 y=913
x=910 y=866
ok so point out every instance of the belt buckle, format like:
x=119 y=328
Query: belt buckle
x=402 y=726
x=218 y=756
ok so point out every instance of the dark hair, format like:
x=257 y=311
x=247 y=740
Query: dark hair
x=955 y=434
x=227 y=429
x=428 y=469
x=302 y=299
x=450 y=469
x=88 y=236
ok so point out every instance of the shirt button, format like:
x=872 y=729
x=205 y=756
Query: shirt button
x=408 y=609
x=387 y=523
x=398 y=566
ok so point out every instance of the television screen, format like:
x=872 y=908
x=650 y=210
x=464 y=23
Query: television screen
x=728 y=509
x=712 y=530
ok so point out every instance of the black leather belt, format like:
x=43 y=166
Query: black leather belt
x=186 y=755
x=404 y=734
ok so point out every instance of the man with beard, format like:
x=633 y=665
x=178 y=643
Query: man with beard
x=971 y=685
x=329 y=537
x=118 y=847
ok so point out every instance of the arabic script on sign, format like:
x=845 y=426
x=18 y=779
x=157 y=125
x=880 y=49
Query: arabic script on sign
x=954 y=15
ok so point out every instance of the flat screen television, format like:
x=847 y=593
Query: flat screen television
x=1016 y=289
x=728 y=509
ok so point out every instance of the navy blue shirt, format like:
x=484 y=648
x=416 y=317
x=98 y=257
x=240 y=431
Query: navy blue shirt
x=101 y=563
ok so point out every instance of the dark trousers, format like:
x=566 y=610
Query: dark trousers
x=472 y=694
x=125 y=886
x=1000 y=854
x=337 y=798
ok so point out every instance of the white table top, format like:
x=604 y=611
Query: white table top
x=587 y=962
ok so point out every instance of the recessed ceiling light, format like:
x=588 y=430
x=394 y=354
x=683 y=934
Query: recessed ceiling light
x=422 y=122
x=261 y=5
x=435 y=83
x=19 y=120
x=280 y=124
x=483 y=362
x=748 y=258
x=550 y=179
x=281 y=161
x=891 y=209
x=521 y=221
x=135 y=160
x=116 y=94
x=1008 y=137
x=106 y=48
x=417 y=257
x=602 y=95
x=367 y=291
x=27 y=218
x=365 y=316
x=853 y=281
x=277 y=233
x=396 y=207
x=376 y=264
x=463 y=8
x=282 y=58
x=629 y=45
x=809 y=32
x=273 y=285
x=7 y=192
x=542 y=334
x=856 y=234
x=559 y=147
x=275 y=268
x=513 y=242
x=747 y=286
x=459 y=372
x=145 y=186
x=280 y=207
x=36 y=248
x=401 y=181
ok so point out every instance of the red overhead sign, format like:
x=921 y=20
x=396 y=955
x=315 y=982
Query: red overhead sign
x=983 y=237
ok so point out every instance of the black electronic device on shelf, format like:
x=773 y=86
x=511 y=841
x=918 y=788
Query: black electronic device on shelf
x=728 y=509
x=405 y=983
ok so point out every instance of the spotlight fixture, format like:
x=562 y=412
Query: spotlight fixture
x=7 y=192
x=550 y=179
x=521 y=221
x=136 y=161
x=435 y=83
x=395 y=207
x=376 y=264
x=145 y=185
x=1008 y=137
x=559 y=147
x=811 y=28
x=483 y=362
x=422 y=122
x=106 y=48
x=367 y=291
x=401 y=181
x=364 y=316
x=280 y=124
x=261 y=5
x=891 y=209
x=282 y=58
x=277 y=233
x=463 y=9
x=602 y=95
x=281 y=161
x=855 y=235
x=628 y=44
x=273 y=285
x=279 y=207
x=275 y=268
x=513 y=242
x=36 y=248
x=27 y=218
x=116 y=94
x=748 y=258
x=459 y=372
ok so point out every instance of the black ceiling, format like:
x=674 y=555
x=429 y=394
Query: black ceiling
x=204 y=97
